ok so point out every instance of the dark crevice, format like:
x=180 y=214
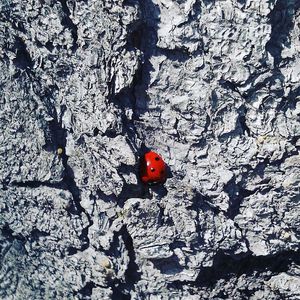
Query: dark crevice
x=177 y=134
x=168 y=266
x=177 y=244
x=67 y=22
x=55 y=135
x=236 y=195
x=129 y=191
x=37 y=184
x=292 y=97
x=118 y=295
x=230 y=85
x=135 y=35
x=96 y=131
x=112 y=198
x=18 y=26
x=86 y=291
x=259 y=169
x=58 y=139
x=7 y=232
x=177 y=54
x=130 y=2
x=163 y=219
x=110 y=133
x=72 y=250
x=36 y=234
x=122 y=289
x=23 y=59
x=294 y=140
x=49 y=45
x=158 y=187
x=281 y=19
x=243 y=124
x=132 y=273
x=246 y=95
x=63 y=70
x=236 y=190
x=248 y=56
x=11 y=238
x=226 y=267
x=202 y=202
x=10 y=235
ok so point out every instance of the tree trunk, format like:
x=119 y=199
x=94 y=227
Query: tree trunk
x=88 y=87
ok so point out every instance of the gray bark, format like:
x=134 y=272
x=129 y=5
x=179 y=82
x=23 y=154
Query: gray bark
x=87 y=87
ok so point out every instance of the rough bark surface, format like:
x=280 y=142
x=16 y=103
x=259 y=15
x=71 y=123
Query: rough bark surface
x=87 y=87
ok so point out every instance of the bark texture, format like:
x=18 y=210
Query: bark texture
x=87 y=87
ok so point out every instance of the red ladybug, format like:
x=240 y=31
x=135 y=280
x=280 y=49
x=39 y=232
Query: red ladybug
x=152 y=168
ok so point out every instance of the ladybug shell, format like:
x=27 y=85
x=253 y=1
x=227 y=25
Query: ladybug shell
x=152 y=168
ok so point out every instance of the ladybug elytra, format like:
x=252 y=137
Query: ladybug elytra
x=152 y=168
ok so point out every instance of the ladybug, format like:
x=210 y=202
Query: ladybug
x=152 y=168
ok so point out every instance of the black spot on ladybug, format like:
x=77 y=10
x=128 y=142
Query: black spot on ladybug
x=152 y=169
x=162 y=172
x=157 y=158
